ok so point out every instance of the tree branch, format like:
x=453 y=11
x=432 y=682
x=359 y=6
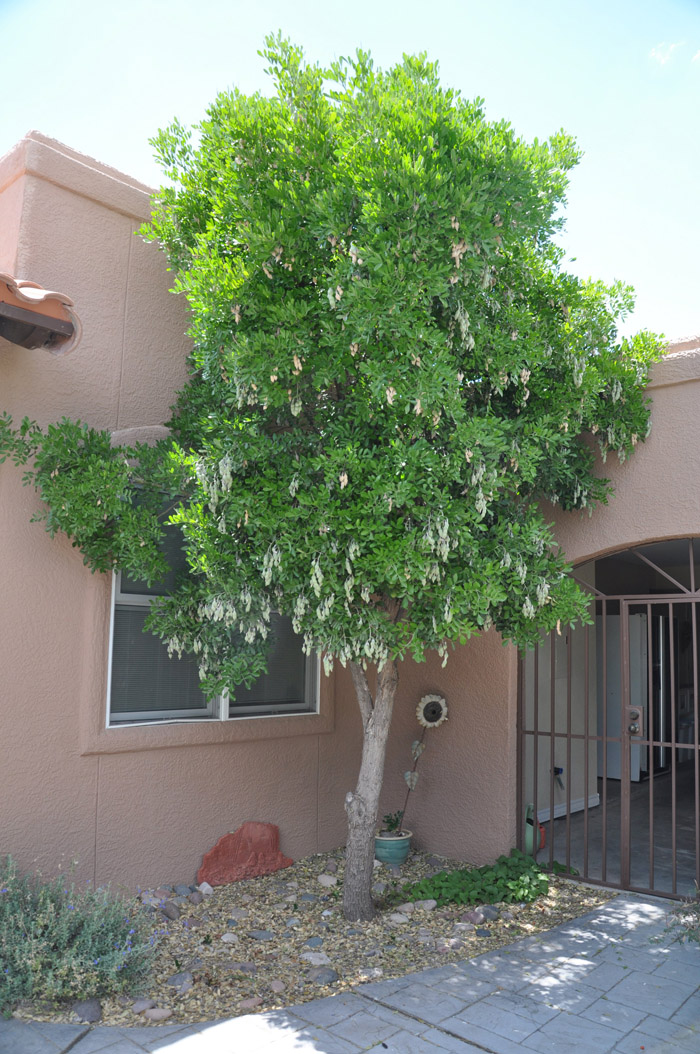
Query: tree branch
x=364 y=697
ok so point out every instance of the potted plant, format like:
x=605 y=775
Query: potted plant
x=393 y=842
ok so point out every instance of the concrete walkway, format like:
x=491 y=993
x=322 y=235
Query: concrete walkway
x=597 y=984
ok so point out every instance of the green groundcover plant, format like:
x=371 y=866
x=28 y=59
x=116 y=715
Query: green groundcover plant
x=512 y=879
x=60 y=942
x=684 y=921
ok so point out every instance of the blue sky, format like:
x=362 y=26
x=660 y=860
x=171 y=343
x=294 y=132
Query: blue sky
x=621 y=76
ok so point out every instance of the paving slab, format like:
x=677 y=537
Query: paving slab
x=612 y=981
x=18 y=1037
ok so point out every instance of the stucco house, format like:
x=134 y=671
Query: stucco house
x=134 y=777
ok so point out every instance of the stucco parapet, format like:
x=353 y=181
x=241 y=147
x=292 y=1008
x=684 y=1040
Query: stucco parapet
x=680 y=364
x=52 y=161
x=12 y=164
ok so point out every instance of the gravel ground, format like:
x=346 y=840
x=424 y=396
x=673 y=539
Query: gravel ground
x=210 y=966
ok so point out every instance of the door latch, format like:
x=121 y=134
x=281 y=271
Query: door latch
x=635 y=717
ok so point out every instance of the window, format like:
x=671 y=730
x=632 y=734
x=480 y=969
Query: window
x=147 y=685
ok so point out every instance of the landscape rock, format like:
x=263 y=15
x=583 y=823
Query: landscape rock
x=490 y=913
x=322 y=975
x=229 y=938
x=250 y=851
x=482 y=932
x=449 y=944
x=158 y=1013
x=406 y=909
x=238 y=913
x=308 y=898
x=370 y=973
x=238 y=967
x=331 y=867
x=291 y=923
x=250 y=1003
x=476 y=915
x=205 y=889
x=315 y=958
x=181 y=981
x=277 y=986
x=261 y=935
x=170 y=910
x=327 y=880
x=196 y=898
x=314 y=942
x=397 y=918
x=182 y=890
x=425 y=905
x=88 y=1010
x=139 y=1005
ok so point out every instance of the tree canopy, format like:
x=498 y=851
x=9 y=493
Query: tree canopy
x=390 y=370
x=393 y=368
x=391 y=373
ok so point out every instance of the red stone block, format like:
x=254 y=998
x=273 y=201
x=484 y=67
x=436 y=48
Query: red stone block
x=252 y=850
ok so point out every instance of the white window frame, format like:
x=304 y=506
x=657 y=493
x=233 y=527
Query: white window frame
x=218 y=709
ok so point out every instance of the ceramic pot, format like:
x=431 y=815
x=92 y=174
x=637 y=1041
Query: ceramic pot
x=392 y=848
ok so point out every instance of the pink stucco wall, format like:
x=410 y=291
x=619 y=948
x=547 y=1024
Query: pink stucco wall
x=656 y=493
x=140 y=805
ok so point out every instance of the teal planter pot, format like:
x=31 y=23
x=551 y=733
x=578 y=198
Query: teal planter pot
x=392 y=848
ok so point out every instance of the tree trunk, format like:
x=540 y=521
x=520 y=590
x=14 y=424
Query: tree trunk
x=362 y=805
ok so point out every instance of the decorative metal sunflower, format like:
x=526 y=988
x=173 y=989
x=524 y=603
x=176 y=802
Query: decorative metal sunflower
x=431 y=711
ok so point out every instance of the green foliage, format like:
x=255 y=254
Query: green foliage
x=390 y=372
x=58 y=942
x=683 y=922
x=393 y=821
x=512 y=879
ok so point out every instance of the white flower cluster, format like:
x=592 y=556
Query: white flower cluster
x=443 y=540
x=271 y=559
x=208 y=484
x=301 y=606
x=542 y=591
x=478 y=473
x=440 y=544
x=316 y=576
x=218 y=609
x=324 y=608
x=225 y=471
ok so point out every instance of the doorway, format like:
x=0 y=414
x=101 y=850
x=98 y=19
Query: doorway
x=608 y=727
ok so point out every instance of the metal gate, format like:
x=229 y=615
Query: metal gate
x=609 y=774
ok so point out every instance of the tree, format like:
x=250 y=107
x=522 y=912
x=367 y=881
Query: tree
x=390 y=371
